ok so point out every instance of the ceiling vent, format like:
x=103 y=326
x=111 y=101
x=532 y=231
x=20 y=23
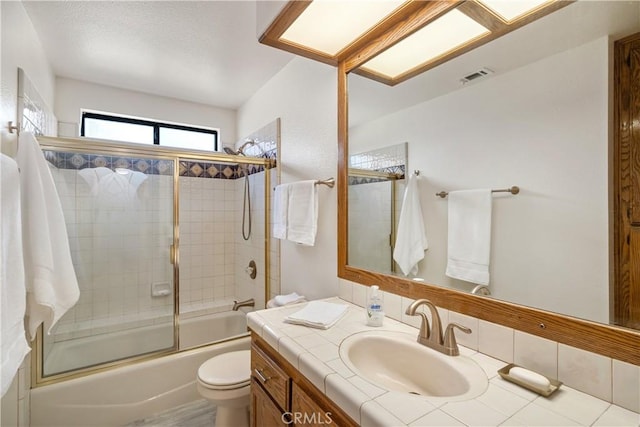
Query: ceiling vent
x=482 y=72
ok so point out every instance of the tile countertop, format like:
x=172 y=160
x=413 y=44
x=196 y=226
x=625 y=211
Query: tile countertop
x=315 y=353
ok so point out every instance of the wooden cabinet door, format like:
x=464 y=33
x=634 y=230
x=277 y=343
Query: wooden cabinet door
x=306 y=412
x=626 y=177
x=264 y=412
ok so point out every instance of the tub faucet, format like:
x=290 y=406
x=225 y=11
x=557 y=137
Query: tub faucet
x=246 y=303
x=432 y=336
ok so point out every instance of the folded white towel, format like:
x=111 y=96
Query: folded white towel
x=318 y=314
x=13 y=343
x=292 y=298
x=52 y=287
x=280 y=206
x=469 y=235
x=302 y=213
x=411 y=240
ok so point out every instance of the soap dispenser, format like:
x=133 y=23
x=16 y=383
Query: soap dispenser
x=375 y=314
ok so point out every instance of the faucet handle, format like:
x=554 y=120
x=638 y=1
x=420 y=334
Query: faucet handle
x=450 y=338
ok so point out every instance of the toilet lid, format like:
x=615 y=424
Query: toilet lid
x=228 y=370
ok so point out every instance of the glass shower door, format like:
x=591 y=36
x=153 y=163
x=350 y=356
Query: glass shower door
x=119 y=213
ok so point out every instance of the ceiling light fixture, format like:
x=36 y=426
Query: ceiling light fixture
x=393 y=40
x=441 y=36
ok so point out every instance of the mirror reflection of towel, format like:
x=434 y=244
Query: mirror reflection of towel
x=411 y=239
x=469 y=235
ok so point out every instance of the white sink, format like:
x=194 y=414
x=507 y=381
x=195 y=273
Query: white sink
x=396 y=362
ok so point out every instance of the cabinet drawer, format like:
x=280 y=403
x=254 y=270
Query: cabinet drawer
x=270 y=376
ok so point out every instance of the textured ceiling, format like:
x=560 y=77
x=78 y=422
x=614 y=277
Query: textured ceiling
x=202 y=51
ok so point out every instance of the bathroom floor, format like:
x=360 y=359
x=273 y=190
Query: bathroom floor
x=200 y=413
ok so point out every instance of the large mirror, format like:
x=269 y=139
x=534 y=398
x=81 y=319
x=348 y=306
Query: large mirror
x=541 y=119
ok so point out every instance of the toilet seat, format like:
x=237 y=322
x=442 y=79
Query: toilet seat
x=227 y=371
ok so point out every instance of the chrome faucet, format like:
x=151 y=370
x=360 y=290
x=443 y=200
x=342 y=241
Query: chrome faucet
x=432 y=336
x=246 y=303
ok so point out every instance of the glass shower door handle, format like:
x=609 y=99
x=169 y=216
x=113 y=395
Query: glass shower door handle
x=172 y=254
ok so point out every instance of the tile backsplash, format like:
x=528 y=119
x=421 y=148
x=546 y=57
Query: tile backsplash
x=600 y=376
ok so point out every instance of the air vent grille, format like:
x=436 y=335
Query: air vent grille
x=482 y=72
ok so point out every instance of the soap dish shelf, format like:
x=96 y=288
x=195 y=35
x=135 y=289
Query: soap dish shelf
x=504 y=373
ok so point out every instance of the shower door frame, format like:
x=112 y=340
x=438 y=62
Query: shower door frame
x=89 y=146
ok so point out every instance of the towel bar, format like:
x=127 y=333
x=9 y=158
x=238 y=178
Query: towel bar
x=513 y=190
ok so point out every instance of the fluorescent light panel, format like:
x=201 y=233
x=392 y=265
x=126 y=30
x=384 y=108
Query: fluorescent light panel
x=443 y=35
x=329 y=26
x=510 y=10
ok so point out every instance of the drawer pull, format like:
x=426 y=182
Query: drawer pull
x=261 y=375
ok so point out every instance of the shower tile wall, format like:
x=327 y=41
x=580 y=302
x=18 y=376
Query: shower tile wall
x=252 y=249
x=119 y=247
x=208 y=216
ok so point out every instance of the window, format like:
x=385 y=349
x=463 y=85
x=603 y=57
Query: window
x=127 y=129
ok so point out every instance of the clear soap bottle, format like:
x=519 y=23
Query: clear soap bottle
x=375 y=313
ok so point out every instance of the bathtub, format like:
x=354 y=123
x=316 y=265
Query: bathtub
x=124 y=394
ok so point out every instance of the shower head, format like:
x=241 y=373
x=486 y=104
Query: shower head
x=240 y=151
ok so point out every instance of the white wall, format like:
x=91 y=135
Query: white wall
x=304 y=95
x=73 y=95
x=20 y=48
x=544 y=128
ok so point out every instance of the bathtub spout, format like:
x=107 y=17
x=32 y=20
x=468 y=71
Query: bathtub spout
x=246 y=303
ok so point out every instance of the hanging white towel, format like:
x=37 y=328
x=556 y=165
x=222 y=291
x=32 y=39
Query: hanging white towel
x=52 y=287
x=280 y=206
x=469 y=235
x=13 y=343
x=318 y=314
x=411 y=240
x=302 y=213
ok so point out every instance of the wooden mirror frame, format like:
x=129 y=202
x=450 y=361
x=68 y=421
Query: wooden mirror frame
x=608 y=340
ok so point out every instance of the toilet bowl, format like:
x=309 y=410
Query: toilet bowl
x=225 y=380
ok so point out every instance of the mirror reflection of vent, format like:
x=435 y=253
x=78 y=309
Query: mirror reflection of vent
x=482 y=72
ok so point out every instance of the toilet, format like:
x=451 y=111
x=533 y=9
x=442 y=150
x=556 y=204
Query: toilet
x=225 y=380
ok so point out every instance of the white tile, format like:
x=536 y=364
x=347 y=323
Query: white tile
x=467 y=340
x=345 y=290
x=325 y=352
x=534 y=415
x=345 y=395
x=290 y=350
x=314 y=370
x=392 y=305
x=617 y=416
x=366 y=387
x=359 y=294
x=585 y=371
x=294 y=331
x=405 y=407
x=311 y=340
x=495 y=340
x=339 y=366
x=271 y=335
x=436 y=418
x=502 y=400
x=490 y=365
x=255 y=322
x=535 y=353
x=573 y=404
x=374 y=415
x=474 y=413
x=514 y=388
x=626 y=385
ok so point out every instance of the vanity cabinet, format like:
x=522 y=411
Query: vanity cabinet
x=281 y=395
